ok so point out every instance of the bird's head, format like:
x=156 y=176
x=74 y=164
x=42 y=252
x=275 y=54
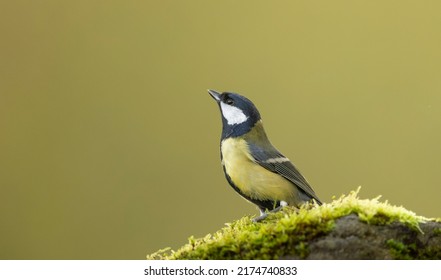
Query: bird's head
x=239 y=114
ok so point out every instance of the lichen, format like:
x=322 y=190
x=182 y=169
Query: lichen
x=289 y=231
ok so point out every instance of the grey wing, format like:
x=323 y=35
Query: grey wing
x=274 y=161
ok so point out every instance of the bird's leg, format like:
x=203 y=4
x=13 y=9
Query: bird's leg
x=277 y=209
x=282 y=204
x=262 y=216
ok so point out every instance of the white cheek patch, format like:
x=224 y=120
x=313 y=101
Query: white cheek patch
x=232 y=114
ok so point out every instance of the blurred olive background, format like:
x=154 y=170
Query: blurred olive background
x=109 y=145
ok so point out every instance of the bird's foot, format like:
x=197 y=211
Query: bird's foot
x=277 y=209
x=264 y=214
x=261 y=217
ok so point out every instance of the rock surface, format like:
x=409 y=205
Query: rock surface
x=352 y=239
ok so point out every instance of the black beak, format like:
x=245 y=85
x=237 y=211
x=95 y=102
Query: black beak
x=214 y=94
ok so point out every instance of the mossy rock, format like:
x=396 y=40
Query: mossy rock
x=347 y=228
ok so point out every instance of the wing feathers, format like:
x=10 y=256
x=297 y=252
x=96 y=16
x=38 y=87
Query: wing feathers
x=274 y=161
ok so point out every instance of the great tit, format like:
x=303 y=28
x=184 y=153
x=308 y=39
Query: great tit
x=252 y=166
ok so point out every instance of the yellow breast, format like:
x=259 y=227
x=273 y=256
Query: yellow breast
x=252 y=179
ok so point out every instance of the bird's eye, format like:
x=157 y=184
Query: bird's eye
x=229 y=101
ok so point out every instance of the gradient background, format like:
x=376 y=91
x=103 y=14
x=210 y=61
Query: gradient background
x=109 y=145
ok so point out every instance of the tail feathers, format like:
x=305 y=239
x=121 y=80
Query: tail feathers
x=305 y=197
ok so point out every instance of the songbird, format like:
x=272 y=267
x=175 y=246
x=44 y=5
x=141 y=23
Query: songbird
x=252 y=166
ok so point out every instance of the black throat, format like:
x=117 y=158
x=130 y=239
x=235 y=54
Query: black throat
x=237 y=129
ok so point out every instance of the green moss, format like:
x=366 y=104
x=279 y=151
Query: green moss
x=401 y=251
x=437 y=231
x=289 y=231
x=411 y=251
